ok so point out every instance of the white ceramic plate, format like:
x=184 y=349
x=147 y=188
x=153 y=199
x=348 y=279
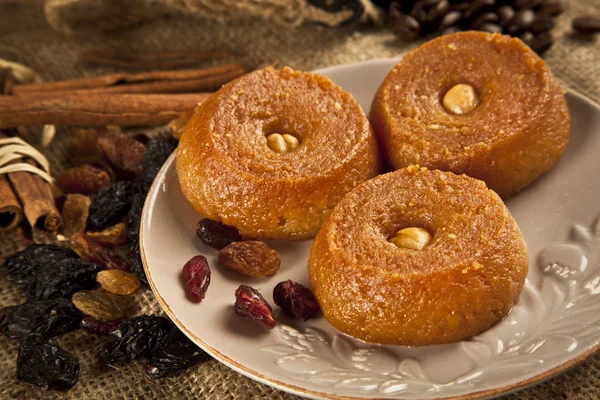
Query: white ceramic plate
x=555 y=324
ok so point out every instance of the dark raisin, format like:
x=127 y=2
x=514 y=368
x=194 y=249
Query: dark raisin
x=94 y=253
x=216 y=234
x=157 y=153
x=196 y=277
x=134 y=217
x=295 y=300
x=47 y=365
x=62 y=279
x=124 y=153
x=249 y=303
x=135 y=258
x=177 y=352
x=43 y=319
x=97 y=327
x=111 y=204
x=83 y=179
x=136 y=337
x=21 y=267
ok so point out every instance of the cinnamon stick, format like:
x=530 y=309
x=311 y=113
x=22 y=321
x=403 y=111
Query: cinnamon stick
x=11 y=212
x=35 y=195
x=164 y=59
x=100 y=109
x=6 y=81
x=196 y=80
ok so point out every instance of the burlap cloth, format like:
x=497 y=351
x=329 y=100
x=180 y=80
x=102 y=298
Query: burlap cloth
x=575 y=61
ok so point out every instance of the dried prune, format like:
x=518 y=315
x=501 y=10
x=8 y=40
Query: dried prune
x=249 y=303
x=62 y=279
x=43 y=319
x=134 y=217
x=177 y=352
x=75 y=214
x=98 y=327
x=111 y=204
x=110 y=237
x=252 y=258
x=103 y=305
x=47 y=365
x=118 y=282
x=83 y=179
x=93 y=252
x=296 y=300
x=137 y=266
x=196 y=277
x=124 y=153
x=22 y=266
x=136 y=337
x=216 y=234
x=158 y=151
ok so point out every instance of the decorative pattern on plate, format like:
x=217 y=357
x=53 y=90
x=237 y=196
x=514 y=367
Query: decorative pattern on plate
x=564 y=301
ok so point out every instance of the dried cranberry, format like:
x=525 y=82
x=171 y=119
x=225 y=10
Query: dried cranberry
x=217 y=235
x=296 y=300
x=196 y=276
x=98 y=327
x=249 y=303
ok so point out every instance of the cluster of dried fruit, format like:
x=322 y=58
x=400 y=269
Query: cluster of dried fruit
x=90 y=285
x=250 y=258
x=101 y=212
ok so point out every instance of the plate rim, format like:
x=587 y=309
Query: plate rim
x=315 y=394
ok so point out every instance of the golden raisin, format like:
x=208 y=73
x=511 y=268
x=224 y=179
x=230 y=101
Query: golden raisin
x=111 y=236
x=83 y=148
x=103 y=305
x=124 y=153
x=75 y=214
x=252 y=258
x=118 y=282
x=91 y=251
x=83 y=179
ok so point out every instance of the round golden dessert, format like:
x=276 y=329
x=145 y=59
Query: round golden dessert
x=476 y=103
x=272 y=152
x=417 y=257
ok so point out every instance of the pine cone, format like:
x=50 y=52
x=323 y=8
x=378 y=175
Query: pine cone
x=529 y=20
